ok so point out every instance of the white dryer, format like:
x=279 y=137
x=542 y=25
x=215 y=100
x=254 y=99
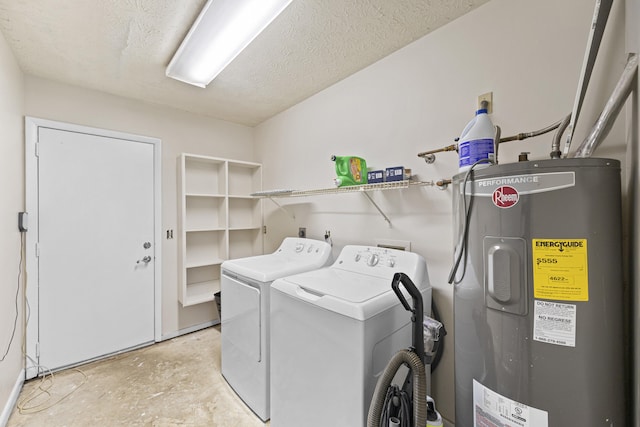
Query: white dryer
x=245 y=316
x=333 y=332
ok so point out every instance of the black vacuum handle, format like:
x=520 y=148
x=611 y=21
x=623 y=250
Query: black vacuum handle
x=395 y=285
x=417 y=310
x=411 y=288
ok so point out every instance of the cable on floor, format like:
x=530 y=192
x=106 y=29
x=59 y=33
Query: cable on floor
x=26 y=405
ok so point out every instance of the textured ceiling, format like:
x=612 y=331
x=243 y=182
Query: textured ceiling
x=123 y=46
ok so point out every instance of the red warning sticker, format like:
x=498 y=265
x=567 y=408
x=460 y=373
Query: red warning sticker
x=505 y=196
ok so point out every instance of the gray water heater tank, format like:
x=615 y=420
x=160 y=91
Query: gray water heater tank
x=538 y=298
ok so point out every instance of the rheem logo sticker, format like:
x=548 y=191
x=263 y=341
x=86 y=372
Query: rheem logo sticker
x=505 y=196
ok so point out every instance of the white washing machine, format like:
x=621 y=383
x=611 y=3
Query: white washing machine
x=334 y=330
x=245 y=316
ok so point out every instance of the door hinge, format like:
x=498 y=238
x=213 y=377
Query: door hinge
x=37 y=153
x=264 y=229
x=38 y=351
x=37 y=249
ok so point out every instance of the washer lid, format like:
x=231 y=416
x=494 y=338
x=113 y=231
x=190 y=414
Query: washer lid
x=346 y=285
x=351 y=294
x=292 y=257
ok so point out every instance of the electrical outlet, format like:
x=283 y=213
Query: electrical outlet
x=488 y=97
x=23 y=221
x=302 y=232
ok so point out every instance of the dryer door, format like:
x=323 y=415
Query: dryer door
x=241 y=316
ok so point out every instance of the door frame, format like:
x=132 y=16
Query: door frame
x=32 y=207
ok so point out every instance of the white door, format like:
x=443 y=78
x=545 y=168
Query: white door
x=96 y=246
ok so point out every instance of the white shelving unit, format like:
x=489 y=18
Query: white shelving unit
x=218 y=220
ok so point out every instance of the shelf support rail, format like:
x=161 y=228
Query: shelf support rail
x=386 y=218
x=282 y=208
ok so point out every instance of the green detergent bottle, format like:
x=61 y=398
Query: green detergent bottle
x=350 y=170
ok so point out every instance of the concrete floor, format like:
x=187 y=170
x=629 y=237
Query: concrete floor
x=172 y=383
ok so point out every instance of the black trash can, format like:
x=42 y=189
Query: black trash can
x=218 y=297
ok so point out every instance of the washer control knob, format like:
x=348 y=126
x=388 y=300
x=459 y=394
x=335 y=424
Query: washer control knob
x=357 y=257
x=299 y=247
x=391 y=262
x=373 y=260
x=310 y=249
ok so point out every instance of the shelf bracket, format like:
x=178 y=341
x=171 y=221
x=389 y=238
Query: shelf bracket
x=282 y=208
x=378 y=208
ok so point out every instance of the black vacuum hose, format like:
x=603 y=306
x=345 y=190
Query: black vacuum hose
x=408 y=357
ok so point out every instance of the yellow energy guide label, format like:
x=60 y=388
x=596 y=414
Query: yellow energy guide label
x=560 y=269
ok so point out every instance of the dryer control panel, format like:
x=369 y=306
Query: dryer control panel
x=296 y=247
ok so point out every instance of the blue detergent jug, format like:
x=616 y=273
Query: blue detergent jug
x=476 y=141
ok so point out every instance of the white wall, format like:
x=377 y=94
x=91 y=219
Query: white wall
x=12 y=202
x=179 y=132
x=529 y=54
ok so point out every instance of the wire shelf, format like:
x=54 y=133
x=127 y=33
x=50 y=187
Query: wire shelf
x=348 y=189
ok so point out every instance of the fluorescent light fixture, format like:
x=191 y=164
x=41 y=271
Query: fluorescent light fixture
x=221 y=31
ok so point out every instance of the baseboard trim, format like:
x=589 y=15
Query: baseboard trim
x=13 y=400
x=190 y=329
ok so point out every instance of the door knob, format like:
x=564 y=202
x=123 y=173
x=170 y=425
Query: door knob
x=146 y=260
x=146 y=245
